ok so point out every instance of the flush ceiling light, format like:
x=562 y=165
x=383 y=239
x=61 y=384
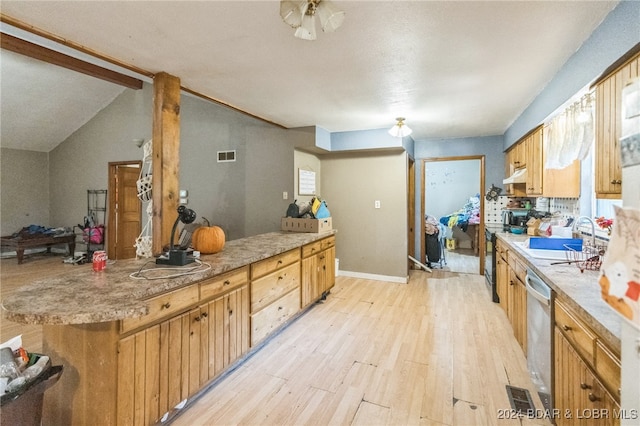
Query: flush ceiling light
x=300 y=14
x=400 y=130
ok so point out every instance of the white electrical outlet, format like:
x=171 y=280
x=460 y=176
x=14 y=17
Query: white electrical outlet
x=285 y=195
x=377 y=204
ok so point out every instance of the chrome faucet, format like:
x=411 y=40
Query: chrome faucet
x=576 y=229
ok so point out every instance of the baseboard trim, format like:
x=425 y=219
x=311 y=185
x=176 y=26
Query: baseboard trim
x=375 y=277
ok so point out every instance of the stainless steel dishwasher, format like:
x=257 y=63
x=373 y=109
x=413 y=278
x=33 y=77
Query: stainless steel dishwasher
x=539 y=335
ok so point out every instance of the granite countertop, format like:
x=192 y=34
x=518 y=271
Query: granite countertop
x=580 y=291
x=89 y=297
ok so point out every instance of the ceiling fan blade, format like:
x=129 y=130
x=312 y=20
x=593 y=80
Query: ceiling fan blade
x=293 y=11
x=307 y=31
x=331 y=18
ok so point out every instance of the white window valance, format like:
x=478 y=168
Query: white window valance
x=570 y=134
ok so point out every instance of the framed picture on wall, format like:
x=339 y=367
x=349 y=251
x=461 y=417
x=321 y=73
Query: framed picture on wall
x=306 y=182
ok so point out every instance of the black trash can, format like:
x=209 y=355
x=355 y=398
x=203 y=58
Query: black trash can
x=24 y=406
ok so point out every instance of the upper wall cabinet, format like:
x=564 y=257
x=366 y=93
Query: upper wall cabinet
x=608 y=173
x=533 y=146
x=540 y=181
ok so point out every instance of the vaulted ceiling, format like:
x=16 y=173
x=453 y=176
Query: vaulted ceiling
x=452 y=68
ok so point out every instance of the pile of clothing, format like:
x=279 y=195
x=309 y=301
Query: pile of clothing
x=36 y=231
x=468 y=214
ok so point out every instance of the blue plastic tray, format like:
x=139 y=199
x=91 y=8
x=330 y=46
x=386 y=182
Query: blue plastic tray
x=555 y=243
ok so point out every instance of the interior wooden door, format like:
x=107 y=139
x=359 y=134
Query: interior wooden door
x=124 y=210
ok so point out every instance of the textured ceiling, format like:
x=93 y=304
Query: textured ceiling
x=453 y=69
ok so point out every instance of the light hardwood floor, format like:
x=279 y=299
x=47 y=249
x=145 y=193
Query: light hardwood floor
x=434 y=351
x=463 y=261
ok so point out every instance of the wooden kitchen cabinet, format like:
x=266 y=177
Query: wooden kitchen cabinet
x=517 y=300
x=533 y=146
x=510 y=272
x=608 y=123
x=275 y=293
x=540 y=181
x=587 y=372
x=166 y=363
x=518 y=155
x=318 y=269
x=514 y=159
x=580 y=396
x=502 y=275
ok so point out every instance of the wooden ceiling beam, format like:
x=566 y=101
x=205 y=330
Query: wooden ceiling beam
x=32 y=50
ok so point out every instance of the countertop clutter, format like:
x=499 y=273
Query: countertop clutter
x=87 y=297
x=580 y=290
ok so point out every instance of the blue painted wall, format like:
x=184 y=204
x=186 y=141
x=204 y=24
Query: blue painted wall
x=364 y=139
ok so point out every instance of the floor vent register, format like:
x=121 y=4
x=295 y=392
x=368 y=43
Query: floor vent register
x=520 y=400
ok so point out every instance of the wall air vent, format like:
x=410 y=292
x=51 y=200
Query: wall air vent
x=226 y=156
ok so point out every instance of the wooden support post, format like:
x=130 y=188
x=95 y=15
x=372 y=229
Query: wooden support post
x=166 y=157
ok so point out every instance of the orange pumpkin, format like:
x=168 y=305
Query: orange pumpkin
x=208 y=239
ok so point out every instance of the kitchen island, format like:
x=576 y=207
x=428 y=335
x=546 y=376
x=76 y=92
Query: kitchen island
x=132 y=349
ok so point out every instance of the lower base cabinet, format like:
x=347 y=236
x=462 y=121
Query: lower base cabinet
x=164 y=364
x=318 y=269
x=135 y=371
x=580 y=398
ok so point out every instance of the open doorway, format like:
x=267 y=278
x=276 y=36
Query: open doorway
x=124 y=211
x=411 y=210
x=452 y=202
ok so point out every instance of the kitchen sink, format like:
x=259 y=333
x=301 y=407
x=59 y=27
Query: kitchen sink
x=542 y=253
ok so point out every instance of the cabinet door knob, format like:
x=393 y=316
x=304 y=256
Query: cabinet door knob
x=593 y=398
x=204 y=315
x=166 y=305
x=619 y=182
x=566 y=328
x=226 y=282
x=585 y=386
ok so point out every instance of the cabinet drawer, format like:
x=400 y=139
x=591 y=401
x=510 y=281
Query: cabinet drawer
x=328 y=243
x=269 y=265
x=220 y=284
x=501 y=250
x=163 y=306
x=608 y=368
x=311 y=249
x=273 y=316
x=271 y=287
x=518 y=266
x=577 y=333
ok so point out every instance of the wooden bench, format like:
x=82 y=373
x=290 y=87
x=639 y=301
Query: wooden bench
x=20 y=244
